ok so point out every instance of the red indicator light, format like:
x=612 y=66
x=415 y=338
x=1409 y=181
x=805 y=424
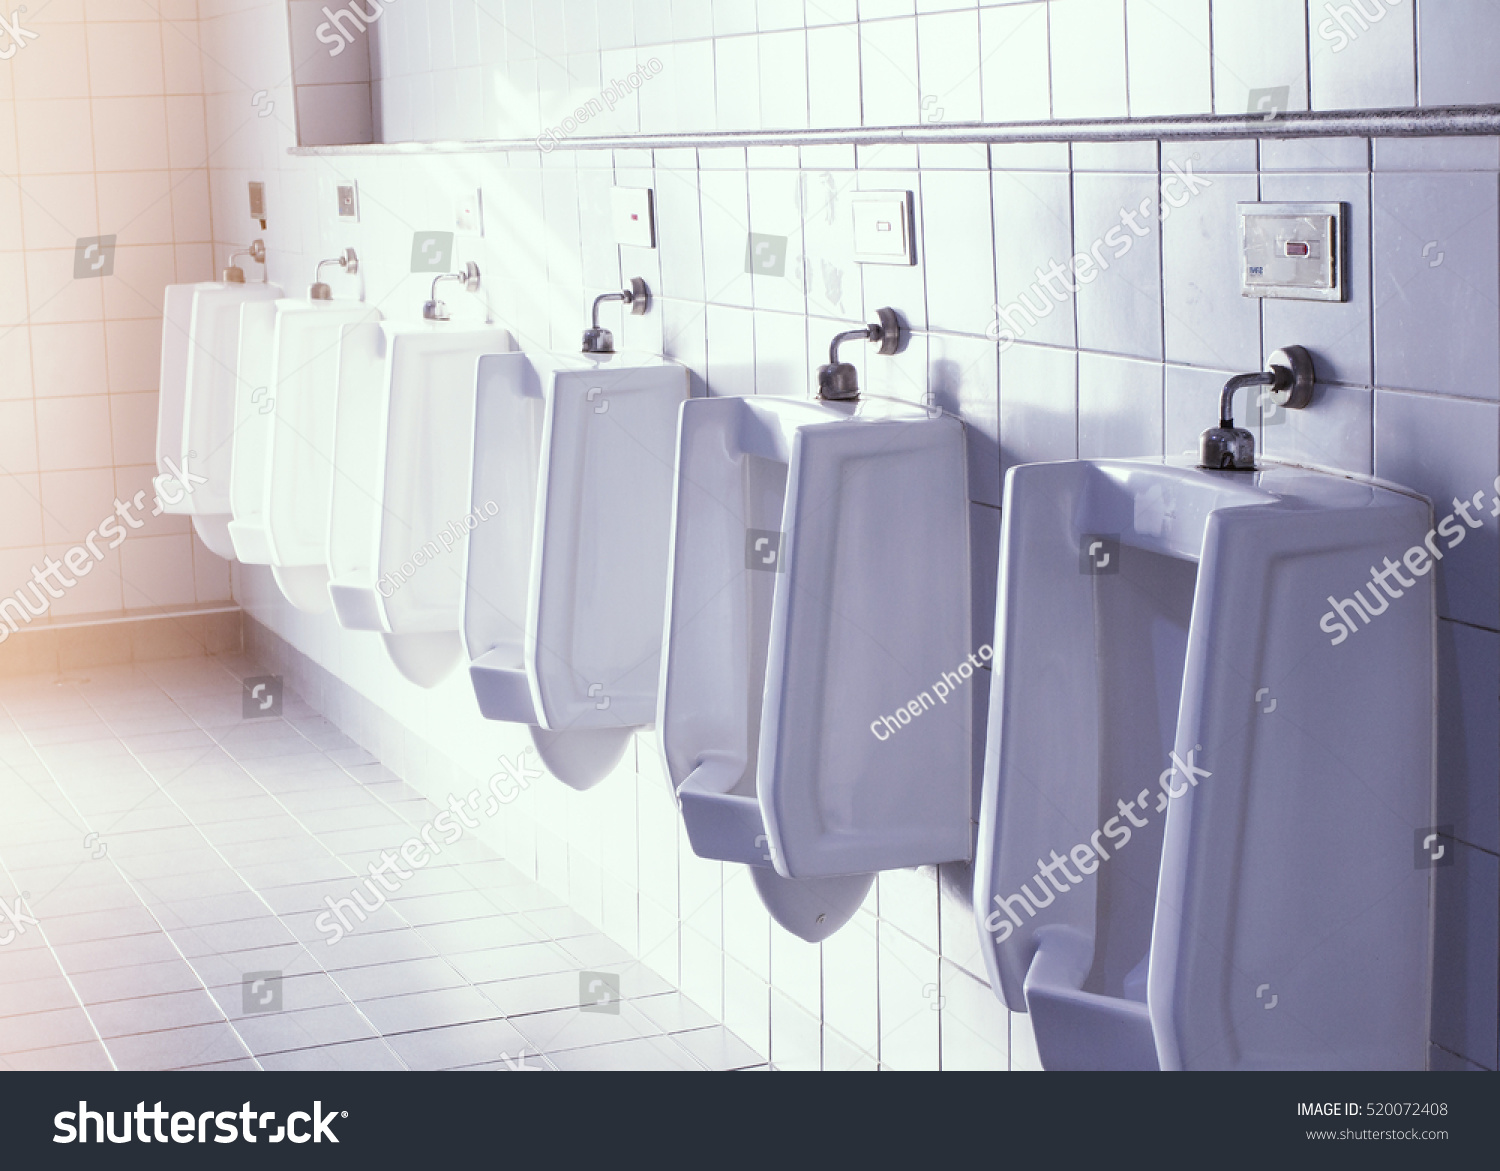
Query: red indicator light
x=1295 y=248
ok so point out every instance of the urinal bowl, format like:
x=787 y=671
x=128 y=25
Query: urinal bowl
x=400 y=505
x=251 y=441
x=820 y=579
x=176 y=349
x=1195 y=846
x=195 y=422
x=284 y=454
x=565 y=583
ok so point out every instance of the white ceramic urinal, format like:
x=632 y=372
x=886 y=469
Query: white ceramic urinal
x=284 y=436
x=819 y=590
x=1200 y=798
x=401 y=487
x=251 y=442
x=195 y=419
x=566 y=579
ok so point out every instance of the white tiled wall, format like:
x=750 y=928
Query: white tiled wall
x=1130 y=365
x=101 y=133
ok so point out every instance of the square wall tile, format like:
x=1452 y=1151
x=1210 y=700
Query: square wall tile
x=1170 y=63
x=1038 y=405
x=783 y=80
x=76 y=503
x=726 y=233
x=21 y=505
x=833 y=91
x=1448 y=449
x=57 y=210
x=1033 y=234
x=781 y=355
x=1119 y=407
x=158 y=571
x=133 y=349
x=1119 y=293
x=53 y=295
x=731 y=354
x=1259 y=48
x=137 y=206
x=957 y=242
x=98 y=589
x=55 y=66
x=73 y=433
x=10 y=205
x=16 y=360
x=14 y=311
x=1359 y=61
x=18 y=436
x=1014 y=67
x=888 y=73
x=54 y=136
x=776 y=219
x=1437 y=283
x=1459 y=63
x=948 y=64
x=1088 y=59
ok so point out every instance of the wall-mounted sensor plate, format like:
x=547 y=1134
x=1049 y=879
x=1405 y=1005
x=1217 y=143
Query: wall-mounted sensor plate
x=468 y=213
x=883 y=227
x=1293 y=251
x=348 y=201
x=634 y=219
x=258 y=202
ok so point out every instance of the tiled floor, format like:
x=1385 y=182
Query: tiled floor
x=172 y=852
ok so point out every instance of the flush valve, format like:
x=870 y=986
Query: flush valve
x=1289 y=377
x=839 y=381
x=597 y=340
x=349 y=262
x=234 y=274
x=435 y=310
